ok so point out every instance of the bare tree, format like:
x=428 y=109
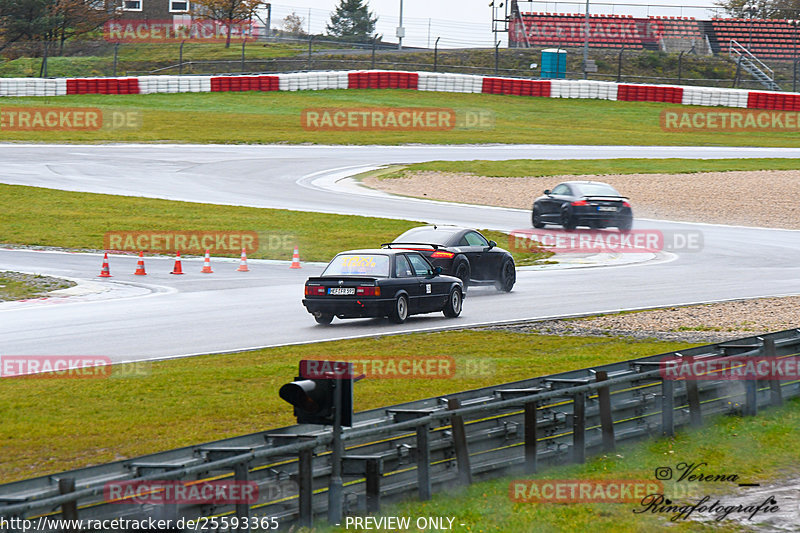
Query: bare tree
x=228 y=12
x=293 y=23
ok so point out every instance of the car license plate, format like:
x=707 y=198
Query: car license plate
x=606 y=208
x=340 y=291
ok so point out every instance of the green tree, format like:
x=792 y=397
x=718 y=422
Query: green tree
x=26 y=20
x=352 y=18
x=761 y=9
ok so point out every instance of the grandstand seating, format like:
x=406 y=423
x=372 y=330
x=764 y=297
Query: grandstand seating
x=767 y=39
x=606 y=31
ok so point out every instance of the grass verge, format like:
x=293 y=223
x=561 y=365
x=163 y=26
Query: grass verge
x=149 y=407
x=17 y=286
x=272 y=117
x=757 y=450
x=49 y=217
x=577 y=167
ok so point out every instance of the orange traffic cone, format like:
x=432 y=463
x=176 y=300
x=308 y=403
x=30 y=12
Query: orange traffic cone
x=207 y=264
x=296 y=258
x=140 y=266
x=243 y=263
x=105 y=272
x=177 y=268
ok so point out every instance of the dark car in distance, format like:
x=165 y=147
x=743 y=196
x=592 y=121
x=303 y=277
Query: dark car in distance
x=381 y=283
x=583 y=203
x=463 y=253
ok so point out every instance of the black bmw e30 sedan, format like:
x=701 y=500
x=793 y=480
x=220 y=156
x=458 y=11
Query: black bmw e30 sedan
x=381 y=283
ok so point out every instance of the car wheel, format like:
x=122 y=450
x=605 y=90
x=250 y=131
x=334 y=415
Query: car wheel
x=567 y=219
x=323 y=318
x=536 y=217
x=453 y=306
x=508 y=276
x=625 y=224
x=462 y=273
x=400 y=311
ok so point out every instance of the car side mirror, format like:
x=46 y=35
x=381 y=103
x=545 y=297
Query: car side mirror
x=547 y=192
x=437 y=271
x=492 y=244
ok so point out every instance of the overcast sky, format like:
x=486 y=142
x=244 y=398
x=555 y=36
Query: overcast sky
x=464 y=22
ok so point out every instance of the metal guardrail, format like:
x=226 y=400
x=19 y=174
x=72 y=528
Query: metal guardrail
x=422 y=446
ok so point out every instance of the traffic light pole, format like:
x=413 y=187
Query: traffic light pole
x=335 y=487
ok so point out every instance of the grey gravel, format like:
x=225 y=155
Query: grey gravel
x=759 y=198
x=706 y=323
x=41 y=285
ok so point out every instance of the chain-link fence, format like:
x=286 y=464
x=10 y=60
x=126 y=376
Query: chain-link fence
x=287 y=53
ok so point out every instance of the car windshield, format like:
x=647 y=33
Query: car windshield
x=597 y=189
x=427 y=235
x=358 y=265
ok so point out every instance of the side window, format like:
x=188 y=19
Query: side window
x=420 y=265
x=475 y=239
x=401 y=267
x=561 y=189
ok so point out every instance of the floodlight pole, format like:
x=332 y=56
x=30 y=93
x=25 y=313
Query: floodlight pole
x=400 y=28
x=337 y=452
x=586 y=42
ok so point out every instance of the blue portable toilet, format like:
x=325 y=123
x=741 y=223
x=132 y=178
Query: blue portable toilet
x=554 y=63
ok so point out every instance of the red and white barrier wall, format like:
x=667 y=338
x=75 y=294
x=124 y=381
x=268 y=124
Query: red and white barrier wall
x=422 y=81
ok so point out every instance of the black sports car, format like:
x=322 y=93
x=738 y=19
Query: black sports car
x=583 y=203
x=378 y=283
x=463 y=253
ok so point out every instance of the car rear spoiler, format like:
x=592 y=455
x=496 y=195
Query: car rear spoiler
x=407 y=244
x=600 y=196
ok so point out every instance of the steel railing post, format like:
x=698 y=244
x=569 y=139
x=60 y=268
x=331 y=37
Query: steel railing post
x=423 y=462
x=305 y=466
x=69 y=510
x=530 y=438
x=606 y=420
x=241 y=473
x=693 y=397
x=373 y=488
x=579 y=427
x=667 y=407
x=460 y=444
x=775 y=393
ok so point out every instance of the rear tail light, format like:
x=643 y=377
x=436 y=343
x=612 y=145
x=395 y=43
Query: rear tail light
x=580 y=202
x=626 y=204
x=368 y=291
x=314 y=290
x=443 y=255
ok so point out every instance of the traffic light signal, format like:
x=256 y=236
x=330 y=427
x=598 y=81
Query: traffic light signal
x=314 y=399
